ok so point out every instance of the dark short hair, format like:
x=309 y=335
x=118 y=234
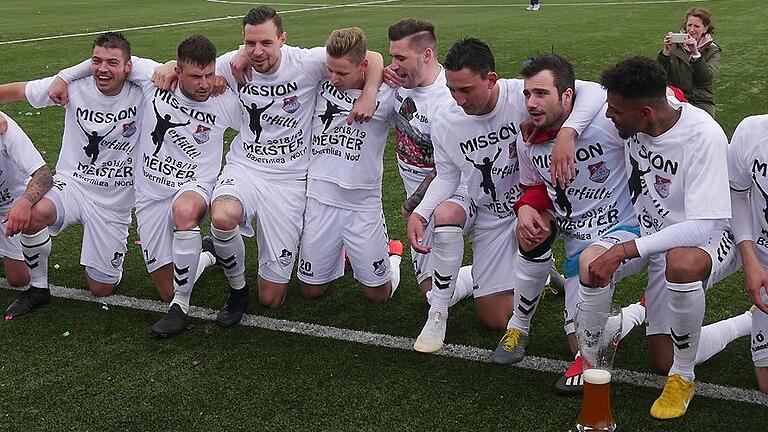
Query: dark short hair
x=420 y=32
x=561 y=69
x=262 y=14
x=472 y=54
x=113 y=40
x=196 y=49
x=636 y=78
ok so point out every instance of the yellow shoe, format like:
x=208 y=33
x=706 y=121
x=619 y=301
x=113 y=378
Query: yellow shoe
x=674 y=400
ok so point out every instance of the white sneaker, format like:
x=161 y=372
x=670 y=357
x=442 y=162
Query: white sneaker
x=530 y=7
x=536 y=7
x=433 y=334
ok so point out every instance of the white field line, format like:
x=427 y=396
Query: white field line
x=181 y=23
x=511 y=6
x=464 y=352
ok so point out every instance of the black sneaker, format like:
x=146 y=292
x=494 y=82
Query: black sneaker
x=172 y=323
x=234 y=308
x=29 y=300
x=208 y=247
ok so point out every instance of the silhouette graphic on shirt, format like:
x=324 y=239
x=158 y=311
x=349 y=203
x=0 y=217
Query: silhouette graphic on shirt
x=94 y=140
x=765 y=197
x=485 y=169
x=635 y=185
x=254 y=112
x=331 y=111
x=162 y=126
x=561 y=199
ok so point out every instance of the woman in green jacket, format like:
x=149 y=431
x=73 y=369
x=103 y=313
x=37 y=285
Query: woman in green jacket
x=692 y=65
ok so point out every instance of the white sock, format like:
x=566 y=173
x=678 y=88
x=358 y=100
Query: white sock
x=528 y=280
x=716 y=336
x=631 y=316
x=686 y=308
x=447 y=253
x=206 y=260
x=36 y=249
x=394 y=273
x=463 y=289
x=596 y=298
x=185 y=251
x=230 y=248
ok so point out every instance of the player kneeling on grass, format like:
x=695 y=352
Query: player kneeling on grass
x=747 y=157
x=678 y=179
x=604 y=213
x=344 y=207
x=94 y=173
x=18 y=160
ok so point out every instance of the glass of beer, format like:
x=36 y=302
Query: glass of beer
x=597 y=333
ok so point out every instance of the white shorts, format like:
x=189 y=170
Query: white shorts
x=632 y=266
x=759 y=346
x=278 y=206
x=725 y=261
x=155 y=224
x=105 y=231
x=10 y=247
x=494 y=255
x=328 y=230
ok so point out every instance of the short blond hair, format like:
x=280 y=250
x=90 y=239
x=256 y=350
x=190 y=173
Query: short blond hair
x=347 y=42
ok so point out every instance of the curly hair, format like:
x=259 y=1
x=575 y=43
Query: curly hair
x=636 y=78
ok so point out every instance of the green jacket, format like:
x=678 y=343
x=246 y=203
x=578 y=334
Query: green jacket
x=694 y=77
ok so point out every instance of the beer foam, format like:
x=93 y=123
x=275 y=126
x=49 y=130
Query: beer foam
x=597 y=376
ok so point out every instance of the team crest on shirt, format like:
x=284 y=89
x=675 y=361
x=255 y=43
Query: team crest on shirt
x=662 y=186
x=598 y=172
x=117 y=259
x=202 y=134
x=379 y=268
x=291 y=104
x=286 y=258
x=129 y=129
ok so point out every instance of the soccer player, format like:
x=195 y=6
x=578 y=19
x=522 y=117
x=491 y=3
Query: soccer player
x=344 y=209
x=264 y=177
x=94 y=178
x=592 y=213
x=676 y=157
x=747 y=172
x=19 y=159
x=474 y=143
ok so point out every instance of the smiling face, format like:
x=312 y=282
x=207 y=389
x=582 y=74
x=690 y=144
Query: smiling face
x=695 y=27
x=409 y=65
x=262 y=44
x=109 y=68
x=547 y=108
x=475 y=95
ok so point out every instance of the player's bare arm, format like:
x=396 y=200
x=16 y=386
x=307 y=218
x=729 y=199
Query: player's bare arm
x=416 y=226
x=410 y=204
x=364 y=107
x=13 y=92
x=19 y=215
x=755 y=277
x=601 y=270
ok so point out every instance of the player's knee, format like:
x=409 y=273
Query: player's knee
x=587 y=256
x=684 y=265
x=100 y=283
x=186 y=215
x=271 y=300
x=492 y=321
x=378 y=295
x=43 y=214
x=226 y=214
x=101 y=290
x=311 y=292
x=17 y=279
x=449 y=213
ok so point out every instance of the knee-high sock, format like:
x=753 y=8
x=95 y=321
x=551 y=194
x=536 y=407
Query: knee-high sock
x=36 y=249
x=686 y=308
x=230 y=248
x=206 y=260
x=528 y=280
x=599 y=298
x=186 y=256
x=394 y=273
x=631 y=316
x=463 y=289
x=447 y=253
x=716 y=336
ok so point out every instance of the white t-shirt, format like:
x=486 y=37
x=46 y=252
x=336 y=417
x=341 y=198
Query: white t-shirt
x=748 y=170
x=597 y=200
x=681 y=174
x=276 y=113
x=182 y=139
x=413 y=109
x=99 y=141
x=19 y=159
x=347 y=161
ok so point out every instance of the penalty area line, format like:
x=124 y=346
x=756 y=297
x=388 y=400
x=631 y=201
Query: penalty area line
x=464 y=352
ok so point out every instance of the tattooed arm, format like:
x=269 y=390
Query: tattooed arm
x=413 y=201
x=20 y=213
